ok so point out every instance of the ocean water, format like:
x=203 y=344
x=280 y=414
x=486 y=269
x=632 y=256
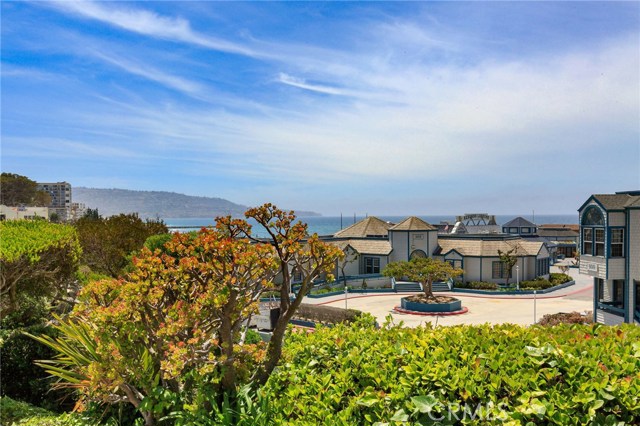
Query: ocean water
x=329 y=225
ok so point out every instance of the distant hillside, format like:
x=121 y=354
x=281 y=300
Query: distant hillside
x=158 y=203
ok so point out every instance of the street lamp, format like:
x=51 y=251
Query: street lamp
x=517 y=278
x=346 y=290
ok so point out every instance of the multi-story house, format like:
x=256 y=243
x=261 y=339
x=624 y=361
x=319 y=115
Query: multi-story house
x=60 y=193
x=610 y=253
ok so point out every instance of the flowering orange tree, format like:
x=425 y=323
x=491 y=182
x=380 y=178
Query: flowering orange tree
x=176 y=322
x=311 y=257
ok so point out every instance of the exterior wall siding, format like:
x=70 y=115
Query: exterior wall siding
x=616 y=268
x=633 y=257
x=594 y=266
x=608 y=318
x=616 y=219
x=400 y=246
x=418 y=241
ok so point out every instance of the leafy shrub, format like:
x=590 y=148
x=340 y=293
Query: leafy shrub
x=157 y=242
x=477 y=285
x=567 y=318
x=356 y=375
x=21 y=378
x=23 y=414
x=557 y=279
x=537 y=284
x=327 y=314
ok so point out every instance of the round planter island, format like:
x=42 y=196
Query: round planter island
x=440 y=305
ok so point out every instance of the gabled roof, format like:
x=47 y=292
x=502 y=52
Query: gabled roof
x=615 y=201
x=366 y=246
x=368 y=227
x=519 y=222
x=488 y=248
x=413 y=223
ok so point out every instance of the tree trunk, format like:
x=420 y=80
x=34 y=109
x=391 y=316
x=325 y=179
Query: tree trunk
x=427 y=287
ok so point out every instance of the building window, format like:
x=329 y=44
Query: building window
x=617 y=296
x=525 y=230
x=417 y=254
x=636 y=284
x=593 y=216
x=498 y=270
x=542 y=267
x=617 y=242
x=599 y=241
x=587 y=241
x=455 y=263
x=513 y=230
x=371 y=265
x=599 y=282
x=296 y=275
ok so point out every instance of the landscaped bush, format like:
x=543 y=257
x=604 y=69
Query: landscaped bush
x=20 y=377
x=20 y=413
x=505 y=374
x=327 y=314
x=567 y=318
x=557 y=279
x=477 y=285
x=537 y=284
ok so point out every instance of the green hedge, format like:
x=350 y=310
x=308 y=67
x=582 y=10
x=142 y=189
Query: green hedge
x=20 y=413
x=557 y=279
x=327 y=314
x=20 y=377
x=537 y=284
x=477 y=285
x=356 y=375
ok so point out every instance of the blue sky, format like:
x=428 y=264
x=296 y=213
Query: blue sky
x=385 y=108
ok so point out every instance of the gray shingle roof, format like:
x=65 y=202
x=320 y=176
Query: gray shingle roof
x=366 y=246
x=488 y=248
x=413 y=223
x=557 y=233
x=617 y=201
x=519 y=222
x=368 y=227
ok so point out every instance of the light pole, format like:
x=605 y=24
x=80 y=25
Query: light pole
x=346 y=289
x=517 y=278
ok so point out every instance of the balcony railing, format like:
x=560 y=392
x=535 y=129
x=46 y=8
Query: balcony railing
x=616 y=308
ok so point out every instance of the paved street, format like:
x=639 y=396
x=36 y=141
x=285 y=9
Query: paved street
x=482 y=308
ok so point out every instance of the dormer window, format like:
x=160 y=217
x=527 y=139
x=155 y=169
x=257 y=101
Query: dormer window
x=593 y=217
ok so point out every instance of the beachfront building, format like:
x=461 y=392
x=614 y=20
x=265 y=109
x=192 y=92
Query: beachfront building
x=519 y=226
x=610 y=253
x=366 y=246
x=564 y=236
x=411 y=238
x=372 y=243
x=478 y=256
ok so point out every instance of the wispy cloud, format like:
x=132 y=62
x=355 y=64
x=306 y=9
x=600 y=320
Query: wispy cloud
x=150 y=24
x=302 y=84
x=389 y=104
x=148 y=72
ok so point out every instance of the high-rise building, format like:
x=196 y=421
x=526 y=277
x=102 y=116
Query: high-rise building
x=60 y=193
